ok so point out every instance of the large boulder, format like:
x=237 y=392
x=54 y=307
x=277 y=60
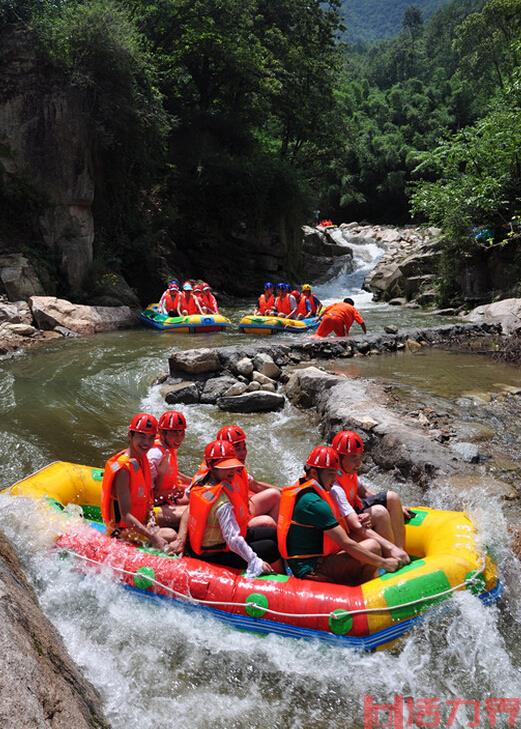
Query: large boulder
x=305 y=386
x=18 y=277
x=195 y=361
x=506 y=312
x=16 y=312
x=259 y=401
x=48 y=312
x=41 y=686
x=266 y=366
x=215 y=387
x=183 y=392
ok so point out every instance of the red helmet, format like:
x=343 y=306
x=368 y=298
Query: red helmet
x=172 y=420
x=232 y=434
x=198 y=287
x=348 y=443
x=143 y=423
x=206 y=286
x=323 y=457
x=221 y=453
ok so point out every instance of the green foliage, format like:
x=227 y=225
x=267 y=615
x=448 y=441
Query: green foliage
x=368 y=20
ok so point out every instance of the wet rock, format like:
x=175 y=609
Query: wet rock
x=468 y=452
x=478 y=398
x=305 y=386
x=268 y=387
x=412 y=346
x=49 y=312
x=474 y=432
x=398 y=301
x=16 y=312
x=253 y=386
x=412 y=305
x=506 y=312
x=266 y=366
x=252 y=402
x=216 y=387
x=510 y=389
x=66 y=332
x=18 y=277
x=449 y=311
x=363 y=347
x=185 y=392
x=391 y=329
x=427 y=298
x=262 y=379
x=237 y=389
x=195 y=361
x=22 y=330
x=244 y=367
x=42 y=687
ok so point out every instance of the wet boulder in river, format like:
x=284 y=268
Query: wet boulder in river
x=195 y=361
x=252 y=402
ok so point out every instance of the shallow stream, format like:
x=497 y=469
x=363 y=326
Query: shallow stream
x=158 y=666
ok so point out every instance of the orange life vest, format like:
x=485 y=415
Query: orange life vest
x=203 y=527
x=167 y=473
x=188 y=304
x=302 y=308
x=349 y=482
x=241 y=478
x=288 y=500
x=266 y=303
x=170 y=301
x=210 y=302
x=284 y=305
x=140 y=489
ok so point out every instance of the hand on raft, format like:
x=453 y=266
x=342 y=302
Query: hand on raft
x=390 y=564
x=401 y=555
x=267 y=569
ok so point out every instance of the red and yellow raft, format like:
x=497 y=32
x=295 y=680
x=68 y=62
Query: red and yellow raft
x=445 y=559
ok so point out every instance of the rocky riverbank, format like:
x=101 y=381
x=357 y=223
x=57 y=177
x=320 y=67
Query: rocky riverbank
x=43 y=318
x=40 y=686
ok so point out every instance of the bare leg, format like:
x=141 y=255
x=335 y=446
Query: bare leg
x=266 y=502
x=345 y=570
x=381 y=522
x=394 y=507
x=262 y=521
x=170 y=515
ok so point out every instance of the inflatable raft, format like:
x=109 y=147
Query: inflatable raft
x=264 y=325
x=196 y=323
x=445 y=558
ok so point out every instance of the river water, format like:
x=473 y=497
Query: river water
x=159 y=666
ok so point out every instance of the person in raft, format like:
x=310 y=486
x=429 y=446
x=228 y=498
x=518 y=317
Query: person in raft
x=338 y=318
x=266 y=302
x=383 y=511
x=169 y=483
x=208 y=300
x=308 y=304
x=264 y=498
x=169 y=301
x=285 y=304
x=218 y=519
x=126 y=490
x=188 y=303
x=312 y=535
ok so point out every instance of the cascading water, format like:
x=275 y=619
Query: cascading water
x=158 y=665
x=366 y=254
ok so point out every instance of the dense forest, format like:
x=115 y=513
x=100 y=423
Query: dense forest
x=216 y=122
x=369 y=20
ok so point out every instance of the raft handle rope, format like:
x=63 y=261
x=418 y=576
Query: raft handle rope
x=337 y=615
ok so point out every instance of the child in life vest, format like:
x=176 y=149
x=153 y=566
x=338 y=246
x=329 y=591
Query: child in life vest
x=126 y=491
x=217 y=518
x=169 y=302
x=264 y=497
x=169 y=483
x=383 y=512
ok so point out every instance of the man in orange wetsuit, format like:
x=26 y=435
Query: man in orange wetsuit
x=338 y=318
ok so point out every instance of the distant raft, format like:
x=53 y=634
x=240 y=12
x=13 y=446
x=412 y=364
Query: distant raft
x=445 y=558
x=193 y=324
x=265 y=325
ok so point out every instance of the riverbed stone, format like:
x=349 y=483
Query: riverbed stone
x=252 y=402
x=398 y=301
x=244 y=367
x=263 y=379
x=268 y=387
x=238 y=388
x=391 y=329
x=184 y=392
x=42 y=687
x=195 y=361
x=305 y=385
x=412 y=346
x=253 y=386
x=506 y=312
x=21 y=330
x=264 y=364
x=468 y=452
x=215 y=387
